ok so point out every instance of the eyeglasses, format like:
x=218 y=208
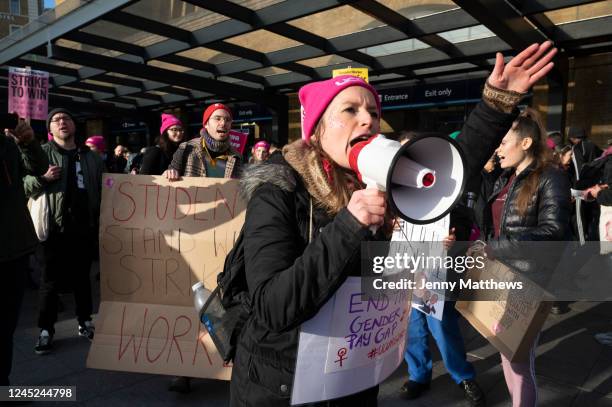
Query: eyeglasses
x=176 y=130
x=64 y=118
x=221 y=118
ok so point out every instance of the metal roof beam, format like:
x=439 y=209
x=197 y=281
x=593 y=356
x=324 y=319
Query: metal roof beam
x=506 y=22
x=107 y=43
x=364 y=39
x=79 y=17
x=151 y=26
x=284 y=11
x=540 y=6
x=164 y=76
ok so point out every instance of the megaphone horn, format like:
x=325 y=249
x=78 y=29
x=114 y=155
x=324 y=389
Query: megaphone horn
x=423 y=178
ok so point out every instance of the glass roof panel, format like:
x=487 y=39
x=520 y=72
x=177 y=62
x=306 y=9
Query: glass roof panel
x=476 y=32
x=87 y=48
x=256 y=4
x=583 y=12
x=122 y=33
x=166 y=65
x=324 y=61
x=177 y=13
x=263 y=41
x=95 y=82
x=208 y=55
x=269 y=71
x=416 y=9
x=336 y=22
x=40 y=58
x=396 y=47
x=157 y=92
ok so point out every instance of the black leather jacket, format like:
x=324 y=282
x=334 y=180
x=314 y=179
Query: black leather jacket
x=546 y=220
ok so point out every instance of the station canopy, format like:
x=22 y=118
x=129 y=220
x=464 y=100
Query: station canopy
x=121 y=55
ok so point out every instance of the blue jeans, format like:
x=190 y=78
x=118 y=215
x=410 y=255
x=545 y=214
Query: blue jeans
x=449 y=341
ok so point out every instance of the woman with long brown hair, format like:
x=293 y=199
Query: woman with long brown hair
x=530 y=202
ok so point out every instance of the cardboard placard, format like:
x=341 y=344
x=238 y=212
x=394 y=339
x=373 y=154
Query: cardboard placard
x=156 y=240
x=352 y=343
x=513 y=319
x=28 y=93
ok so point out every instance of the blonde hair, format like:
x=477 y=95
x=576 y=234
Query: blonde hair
x=342 y=182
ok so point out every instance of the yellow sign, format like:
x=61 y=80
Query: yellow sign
x=358 y=72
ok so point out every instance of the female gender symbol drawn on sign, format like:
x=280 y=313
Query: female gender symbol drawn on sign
x=341 y=355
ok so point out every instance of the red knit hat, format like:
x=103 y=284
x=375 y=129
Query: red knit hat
x=316 y=96
x=211 y=109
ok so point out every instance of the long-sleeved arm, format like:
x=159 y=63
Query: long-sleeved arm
x=34 y=163
x=481 y=135
x=289 y=284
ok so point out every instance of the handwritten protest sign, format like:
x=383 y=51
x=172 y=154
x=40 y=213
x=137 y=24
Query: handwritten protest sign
x=353 y=343
x=430 y=302
x=510 y=319
x=156 y=240
x=28 y=93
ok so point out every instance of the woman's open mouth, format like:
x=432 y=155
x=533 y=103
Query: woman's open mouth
x=358 y=139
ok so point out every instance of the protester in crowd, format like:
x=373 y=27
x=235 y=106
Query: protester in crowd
x=446 y=331
x=554 y=140
x=211 y=154
x=530 y=202
x=118 y=162
x=157 y=158
x=134 y=161
x=584 y=150
x=72 y=184
x=261 y=151
x=448 y=338
x=603 y=194
x=20 y=155
x=97 y=145
x=306 y=218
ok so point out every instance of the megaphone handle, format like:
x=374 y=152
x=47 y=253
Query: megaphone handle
x=372 y=185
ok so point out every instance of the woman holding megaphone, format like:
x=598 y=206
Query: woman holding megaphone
x=307 y=216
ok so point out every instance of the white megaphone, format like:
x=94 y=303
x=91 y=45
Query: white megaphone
x=423 y=178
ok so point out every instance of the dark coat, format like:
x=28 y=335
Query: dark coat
x=18 y=237
x=290 y=280
x=605 y=197
x=585 y=152
x=546 y=220
x=155 y=161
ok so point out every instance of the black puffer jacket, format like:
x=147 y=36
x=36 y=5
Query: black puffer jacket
x=546 y=220
x=290 y=280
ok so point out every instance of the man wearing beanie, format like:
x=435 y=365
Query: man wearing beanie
x=72 y=184
x=211 y=154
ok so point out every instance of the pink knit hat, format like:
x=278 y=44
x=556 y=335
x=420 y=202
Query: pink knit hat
x=316 y=96
x=98 y=142
x=263 y=144
x=168 y=120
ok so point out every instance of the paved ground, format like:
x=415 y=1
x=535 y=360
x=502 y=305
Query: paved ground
x=572 y=368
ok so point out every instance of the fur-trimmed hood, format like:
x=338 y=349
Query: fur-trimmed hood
x=255 y=175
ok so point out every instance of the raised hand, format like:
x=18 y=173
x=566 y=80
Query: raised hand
x=524 y=70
